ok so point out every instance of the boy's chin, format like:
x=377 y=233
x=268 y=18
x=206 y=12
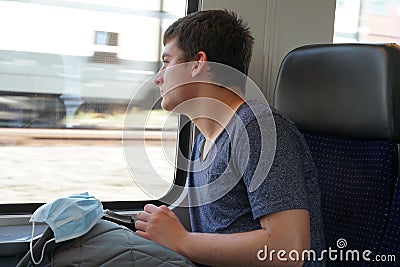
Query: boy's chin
x=166 y=105
x=173 y=107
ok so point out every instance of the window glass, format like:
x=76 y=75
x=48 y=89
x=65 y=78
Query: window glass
x=72 y=84
x=367 y=21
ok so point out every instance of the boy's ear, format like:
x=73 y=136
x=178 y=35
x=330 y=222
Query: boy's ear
x=199 y=64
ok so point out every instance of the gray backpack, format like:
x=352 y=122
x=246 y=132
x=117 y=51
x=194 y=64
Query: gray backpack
x=106 y=244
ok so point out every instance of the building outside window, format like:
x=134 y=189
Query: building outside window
x=367 y=21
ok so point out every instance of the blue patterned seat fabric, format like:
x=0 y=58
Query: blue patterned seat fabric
x=391 y=240
x=356 y=178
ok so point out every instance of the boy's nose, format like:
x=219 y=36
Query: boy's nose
x=159 y=79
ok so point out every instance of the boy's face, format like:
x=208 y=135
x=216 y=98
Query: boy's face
x=174 y=77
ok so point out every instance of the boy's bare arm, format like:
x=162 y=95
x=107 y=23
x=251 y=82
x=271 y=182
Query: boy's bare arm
x=286 y=230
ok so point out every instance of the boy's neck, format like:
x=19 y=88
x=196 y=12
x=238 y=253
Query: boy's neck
x=213 y=120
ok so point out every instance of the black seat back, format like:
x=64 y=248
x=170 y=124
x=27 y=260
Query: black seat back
x=345 y=100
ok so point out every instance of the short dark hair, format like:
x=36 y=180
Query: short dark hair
x=224 y=37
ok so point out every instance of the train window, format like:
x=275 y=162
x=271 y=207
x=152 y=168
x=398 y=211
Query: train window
x=77 y=102
x=106 y=38
x=367 y=21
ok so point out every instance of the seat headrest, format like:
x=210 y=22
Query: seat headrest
x=342 y=89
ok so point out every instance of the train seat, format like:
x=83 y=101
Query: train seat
x=345 y=99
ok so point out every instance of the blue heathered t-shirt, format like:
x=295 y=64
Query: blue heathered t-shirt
x=229 y=190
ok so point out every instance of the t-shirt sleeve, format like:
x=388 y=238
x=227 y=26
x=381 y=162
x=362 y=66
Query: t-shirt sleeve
x=274 y=181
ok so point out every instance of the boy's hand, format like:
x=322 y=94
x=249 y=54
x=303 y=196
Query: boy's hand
x=161 y=225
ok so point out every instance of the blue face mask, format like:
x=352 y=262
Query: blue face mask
x=68 y=217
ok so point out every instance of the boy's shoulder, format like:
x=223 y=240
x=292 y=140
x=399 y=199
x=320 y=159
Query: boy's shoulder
x=254 y=110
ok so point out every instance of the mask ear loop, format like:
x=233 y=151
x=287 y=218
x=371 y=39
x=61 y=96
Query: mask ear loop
x=31 y=246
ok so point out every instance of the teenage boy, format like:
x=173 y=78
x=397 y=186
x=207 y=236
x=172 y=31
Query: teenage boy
x=241 y=220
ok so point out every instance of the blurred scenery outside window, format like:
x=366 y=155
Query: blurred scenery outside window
x=367 y=21
x=72 y=79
